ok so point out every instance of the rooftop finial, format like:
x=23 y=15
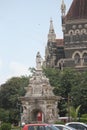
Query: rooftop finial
x=51 y=35
x=51 y=30
x=63 y=8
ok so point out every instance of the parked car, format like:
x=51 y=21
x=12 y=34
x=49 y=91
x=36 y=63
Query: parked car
x=63 y=127
x=77 y=125
x=39 y=127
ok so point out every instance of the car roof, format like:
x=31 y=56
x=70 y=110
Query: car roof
x=58 y=125
x=76 y=123
x=36 y=124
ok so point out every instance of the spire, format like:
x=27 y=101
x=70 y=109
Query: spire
x=51 y=35
x=63 y=8
x=63 y=11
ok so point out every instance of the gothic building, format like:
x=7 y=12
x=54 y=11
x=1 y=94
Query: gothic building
x=71 y=51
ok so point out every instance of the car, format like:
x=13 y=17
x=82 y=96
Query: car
x=77 y=125
x=63 y=127
x=38 y=126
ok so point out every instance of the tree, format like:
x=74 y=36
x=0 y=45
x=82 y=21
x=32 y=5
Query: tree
x=9 y=93
x=4 y=115
x=69 y=82
x=62 y=81
x=53 y=75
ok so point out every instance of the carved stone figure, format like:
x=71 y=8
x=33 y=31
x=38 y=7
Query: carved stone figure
x=38 y=61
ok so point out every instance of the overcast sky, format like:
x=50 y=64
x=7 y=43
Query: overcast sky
x=24 y=26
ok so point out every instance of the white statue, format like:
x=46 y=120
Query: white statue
x=38 y=61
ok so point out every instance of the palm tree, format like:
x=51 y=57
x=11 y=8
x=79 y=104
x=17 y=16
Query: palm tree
x=74 y=112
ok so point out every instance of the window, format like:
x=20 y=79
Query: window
x=77 y=59
x=71 y=32
x=83 y=31
x=85 y=57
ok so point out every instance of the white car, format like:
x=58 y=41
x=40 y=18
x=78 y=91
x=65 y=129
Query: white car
x=77 y=125
x=63 y=127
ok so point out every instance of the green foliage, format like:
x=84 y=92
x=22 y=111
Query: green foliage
x=74 y=112
x=4 y=115
x=62 y=105
x=9 y=93
x=11 y=90
x=59 y=122
x=15 y=127
x=79 y=93
x=5 y=126
x=66 y=82
x=63 y=81
x=53 y=76
x=69 y=82
x=14 y=116
x=32 y=70
x=83 y=118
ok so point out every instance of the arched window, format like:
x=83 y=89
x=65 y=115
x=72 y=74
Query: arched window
x=77 y=59
x=61 y=64
x=85 y=58
x=77 y=37
x=83 y=31
x=77 y=31
x=84 y=36
x=71 y=32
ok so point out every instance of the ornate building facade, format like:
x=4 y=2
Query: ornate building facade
x=39 y=102
x=71 y=51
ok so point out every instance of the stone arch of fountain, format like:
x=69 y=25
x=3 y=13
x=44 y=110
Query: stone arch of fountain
x=39 y=102
x=37 y=115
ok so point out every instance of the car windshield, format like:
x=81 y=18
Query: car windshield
x=78 y=126
x=64 y=127
x=48 y=127
x=51 y=127
x=71 y=128
x=36 y=128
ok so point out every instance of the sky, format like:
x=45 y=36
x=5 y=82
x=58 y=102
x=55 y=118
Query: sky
x=24 y=26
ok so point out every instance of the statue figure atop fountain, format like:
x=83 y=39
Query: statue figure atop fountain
x=38 y=61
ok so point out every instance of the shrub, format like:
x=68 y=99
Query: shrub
x=83 y=118
x=59 y=122
x=5 y=126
